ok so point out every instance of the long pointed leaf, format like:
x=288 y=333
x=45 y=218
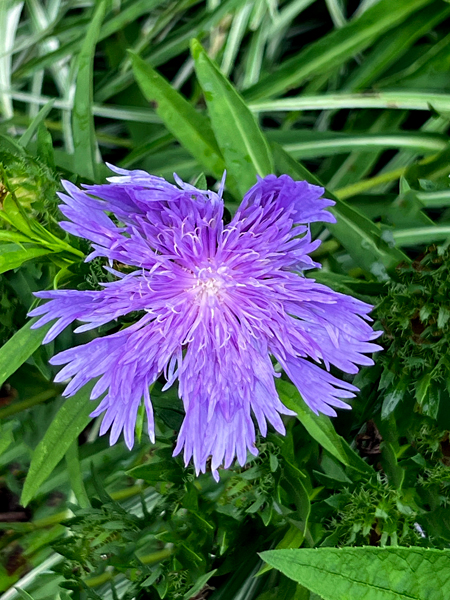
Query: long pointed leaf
x=243 y=145
x=67 y=425
x=83 y=122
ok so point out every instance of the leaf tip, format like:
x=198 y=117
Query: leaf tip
x=196 y=48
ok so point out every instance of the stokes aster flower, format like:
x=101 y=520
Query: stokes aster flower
x=217 y=302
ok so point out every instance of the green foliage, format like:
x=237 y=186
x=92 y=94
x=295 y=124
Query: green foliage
x=382 y=573
x=415 y=316
x=363 y=99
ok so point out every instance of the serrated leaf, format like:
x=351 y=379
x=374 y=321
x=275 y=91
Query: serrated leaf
x=66 y=426
x=240 y=139
x=367 y=573
x=320 y=428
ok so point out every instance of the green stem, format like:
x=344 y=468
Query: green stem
x=17 y=407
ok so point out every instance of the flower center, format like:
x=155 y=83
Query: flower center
x=210 y=283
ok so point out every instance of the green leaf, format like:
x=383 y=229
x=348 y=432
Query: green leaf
x=393 y=470
x=192 y=129
x=357 y=233
x=243 y=145
x=68 y=423
x=199 y=585
x=6 y=436
x=335 y=48
x=13 y=255
x=19 y=348
x=38 y=119
x=23 y=594
x=76 y=475
x=320 y=428
x=395 y=44
x=83 y=122
x=367 y=573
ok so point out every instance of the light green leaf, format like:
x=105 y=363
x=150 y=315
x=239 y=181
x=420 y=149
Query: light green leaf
x=320 y=428
x=66 y=426
x=192 y=129
x=6 y=436
x=83 y=121
x=19 y=348
x=13 y=255
x=335 y=48
x=243 y=145
x=23 y=594
x=368 y=572
x=76 y=475
x=33 y=126
x=410 y=100
x=421 y=235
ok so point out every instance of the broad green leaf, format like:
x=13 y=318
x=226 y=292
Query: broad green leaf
x=243 y=145
x=321 y=428
x=13 y=255
x=19 y=348
x=66 y=426
x=83 y=121
x=367 y=573
x=23 y=594
x=192 y=129
x=335 y=48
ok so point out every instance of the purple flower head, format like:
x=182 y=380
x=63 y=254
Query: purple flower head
x=218 y=302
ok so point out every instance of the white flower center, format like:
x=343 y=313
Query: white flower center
x=210 y=283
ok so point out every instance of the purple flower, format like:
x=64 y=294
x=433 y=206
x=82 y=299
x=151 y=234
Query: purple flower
x=220 y=303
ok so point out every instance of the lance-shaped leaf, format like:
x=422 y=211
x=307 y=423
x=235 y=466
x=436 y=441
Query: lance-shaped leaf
x=71 y=419
x=241 y=141
x=191 y=128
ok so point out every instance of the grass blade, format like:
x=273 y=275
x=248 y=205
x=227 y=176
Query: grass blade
x=84 y=140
